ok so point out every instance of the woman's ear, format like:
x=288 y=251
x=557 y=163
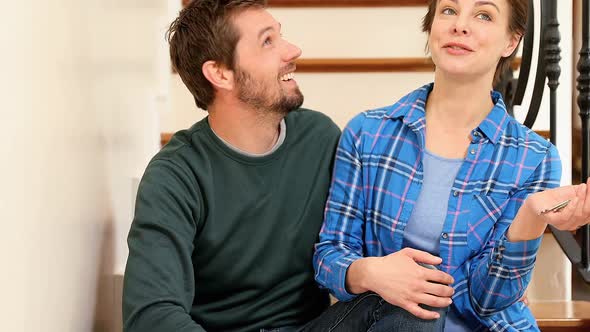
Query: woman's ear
x=512 y=45
x=219 y=75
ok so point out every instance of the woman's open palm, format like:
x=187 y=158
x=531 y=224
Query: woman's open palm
x=574 y=215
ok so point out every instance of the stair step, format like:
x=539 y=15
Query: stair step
x=562 y=315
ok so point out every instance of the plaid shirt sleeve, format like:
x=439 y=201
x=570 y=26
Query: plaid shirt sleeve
x=341 y=236
x=500 y=274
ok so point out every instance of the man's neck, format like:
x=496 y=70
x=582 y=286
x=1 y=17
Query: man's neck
x=249 y=130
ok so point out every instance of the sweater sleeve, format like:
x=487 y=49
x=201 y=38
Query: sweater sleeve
x=159 y=285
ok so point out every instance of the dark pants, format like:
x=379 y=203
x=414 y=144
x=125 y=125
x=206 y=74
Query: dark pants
x=368 y=312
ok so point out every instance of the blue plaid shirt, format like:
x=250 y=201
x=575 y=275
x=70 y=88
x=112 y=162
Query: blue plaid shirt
x=378 y=177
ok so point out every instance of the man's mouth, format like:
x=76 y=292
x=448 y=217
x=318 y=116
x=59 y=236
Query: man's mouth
x=287 y=77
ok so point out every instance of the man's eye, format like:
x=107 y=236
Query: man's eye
x=267 y=42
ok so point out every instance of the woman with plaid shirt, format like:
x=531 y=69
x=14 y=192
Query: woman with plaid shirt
x=438 y=202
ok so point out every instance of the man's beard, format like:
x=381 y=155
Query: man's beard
x=259 y=97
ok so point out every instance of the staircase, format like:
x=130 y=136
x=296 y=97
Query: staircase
x=553 y=316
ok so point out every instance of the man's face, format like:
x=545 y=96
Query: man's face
x=264 y=68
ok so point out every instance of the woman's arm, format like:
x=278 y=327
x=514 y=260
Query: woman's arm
x=530 y=223
x=341 y=236
x=500 y=274
x=338 y=260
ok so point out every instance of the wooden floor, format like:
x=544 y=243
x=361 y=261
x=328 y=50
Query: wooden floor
x=562 y=316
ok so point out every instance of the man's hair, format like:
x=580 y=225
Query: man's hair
x=203 y=31
x=516 y=24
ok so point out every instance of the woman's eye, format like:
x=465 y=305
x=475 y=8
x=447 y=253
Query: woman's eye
x=448 y=11
x=267 y=41
x=484 y=16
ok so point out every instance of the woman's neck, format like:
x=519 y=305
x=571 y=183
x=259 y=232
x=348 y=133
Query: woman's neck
x=462 y=104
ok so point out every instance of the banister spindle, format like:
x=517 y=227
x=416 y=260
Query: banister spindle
x=552 y=69
x=584 y=105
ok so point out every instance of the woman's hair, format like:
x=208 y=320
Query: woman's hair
x=517 y=25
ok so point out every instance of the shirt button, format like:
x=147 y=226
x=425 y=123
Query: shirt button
x=455 y=193
x=445 y=235
x=472 y=151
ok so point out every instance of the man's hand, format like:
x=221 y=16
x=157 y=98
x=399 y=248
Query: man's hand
x=401 y=281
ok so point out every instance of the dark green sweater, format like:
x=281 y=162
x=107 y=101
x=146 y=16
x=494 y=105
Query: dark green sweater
x=224 y=242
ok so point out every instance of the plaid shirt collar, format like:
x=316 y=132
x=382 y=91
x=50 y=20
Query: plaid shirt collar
x=492 y=126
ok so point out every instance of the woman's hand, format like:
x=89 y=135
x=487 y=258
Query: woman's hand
x=401 y=281
x=531 y=221
x=571 y=217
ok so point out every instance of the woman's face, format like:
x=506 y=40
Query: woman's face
x=468 y=37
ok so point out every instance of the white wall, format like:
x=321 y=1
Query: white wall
x=79 y=121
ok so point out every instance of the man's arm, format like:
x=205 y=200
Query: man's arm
x=159 y=281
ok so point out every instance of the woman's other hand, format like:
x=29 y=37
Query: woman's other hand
x=400 y=280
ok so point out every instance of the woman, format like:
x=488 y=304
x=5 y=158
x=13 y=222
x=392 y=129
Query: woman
x=446 y=177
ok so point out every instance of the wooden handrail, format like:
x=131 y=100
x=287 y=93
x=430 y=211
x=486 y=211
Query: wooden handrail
x=352 y=65
x=365 y=65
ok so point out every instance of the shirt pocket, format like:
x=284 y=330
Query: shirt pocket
x=484 y=213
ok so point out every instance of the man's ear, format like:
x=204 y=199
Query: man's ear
x=219 y=75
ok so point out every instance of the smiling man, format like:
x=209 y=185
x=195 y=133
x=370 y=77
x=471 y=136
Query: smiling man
x=228 y=211
x=227 y=214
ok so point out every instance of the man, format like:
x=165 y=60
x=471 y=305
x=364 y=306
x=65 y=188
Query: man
x=228 y=211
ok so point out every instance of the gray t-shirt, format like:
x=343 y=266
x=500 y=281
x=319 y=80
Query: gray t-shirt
x=427 y=219
x=280 y=140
